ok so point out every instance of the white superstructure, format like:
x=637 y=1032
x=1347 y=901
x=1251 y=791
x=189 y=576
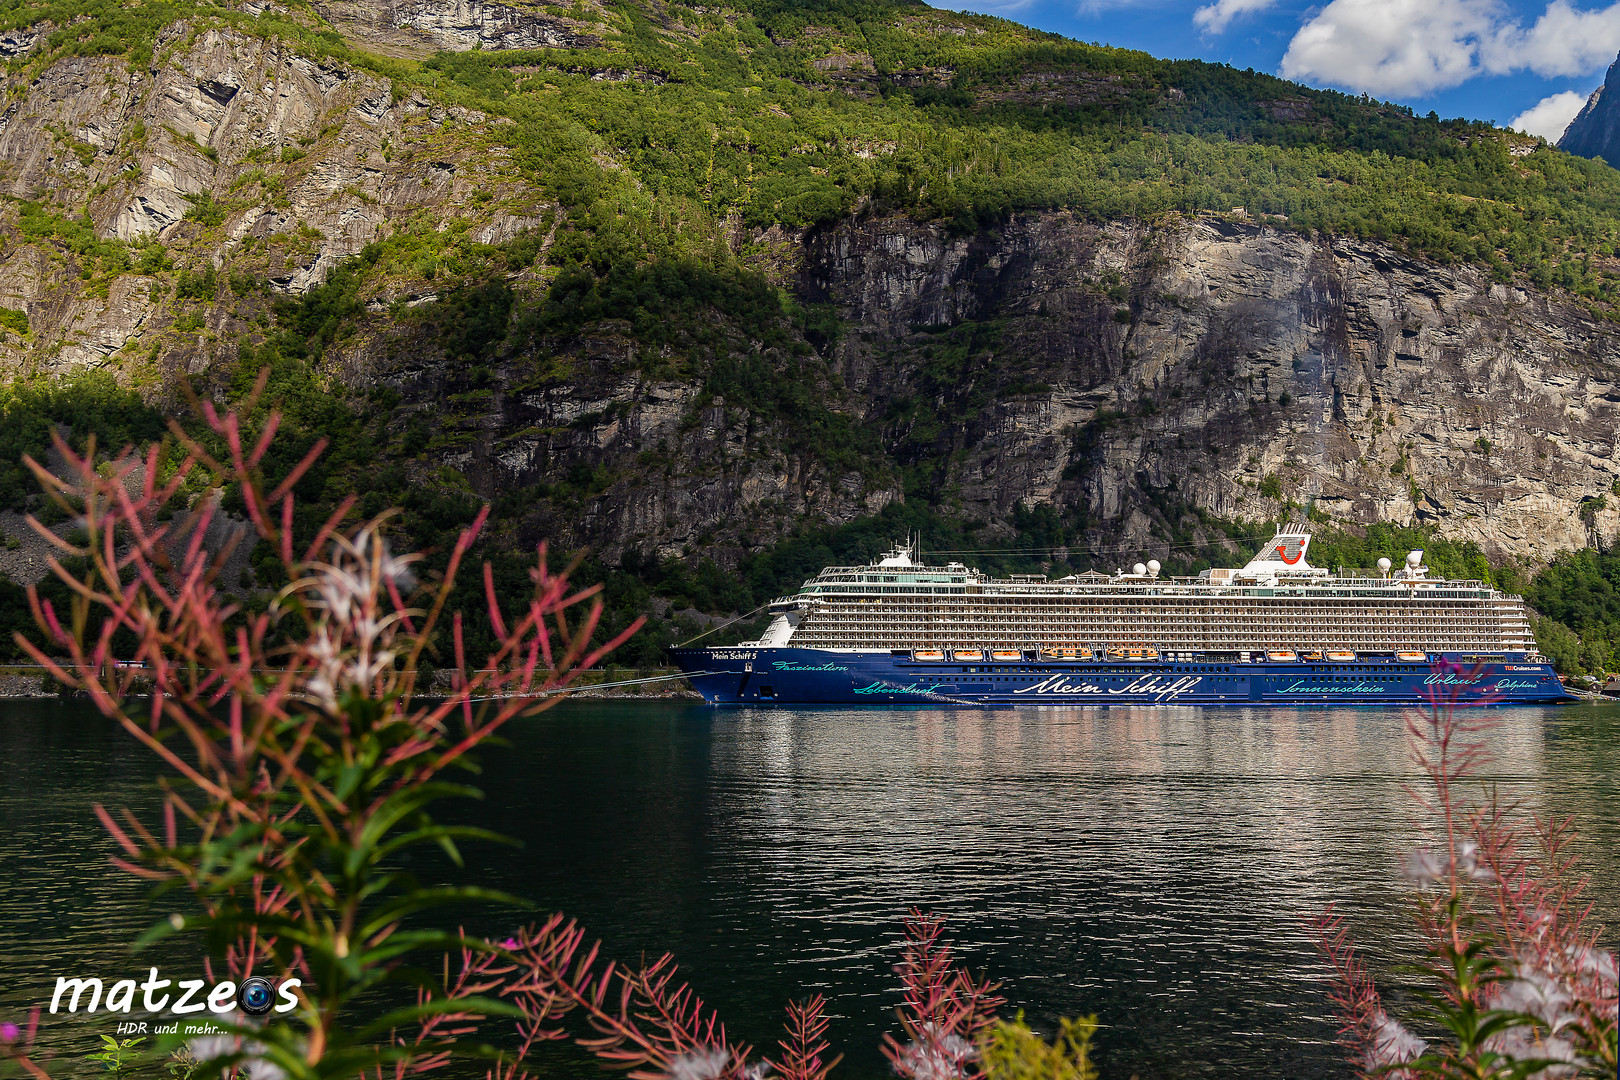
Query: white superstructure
x=1277 y=601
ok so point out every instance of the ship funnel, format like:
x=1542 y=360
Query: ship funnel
x=1284 y=554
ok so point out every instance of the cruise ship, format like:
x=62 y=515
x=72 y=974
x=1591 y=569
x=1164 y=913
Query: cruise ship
x=1279 y=630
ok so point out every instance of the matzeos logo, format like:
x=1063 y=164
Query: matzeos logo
x=254 y=996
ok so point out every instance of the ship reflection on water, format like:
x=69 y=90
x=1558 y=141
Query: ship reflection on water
x=1156 y=865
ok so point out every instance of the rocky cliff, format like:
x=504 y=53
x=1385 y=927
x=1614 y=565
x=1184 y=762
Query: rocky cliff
x=1595 y=131
x=1199 y=358
x=1129 y=374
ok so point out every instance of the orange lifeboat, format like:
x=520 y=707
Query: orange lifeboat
x=1281 y=654
x=1006 y=654
x=928 y=654
x=1410 y=656
x=1340 y=654
x=968 y=654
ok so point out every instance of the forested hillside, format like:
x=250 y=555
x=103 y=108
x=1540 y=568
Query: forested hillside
x=716 y=294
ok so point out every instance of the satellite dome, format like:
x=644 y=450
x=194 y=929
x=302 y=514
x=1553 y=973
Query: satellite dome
x=1384 y=564
x=1138 y=569
x=1153 y=567
x=1414 y=558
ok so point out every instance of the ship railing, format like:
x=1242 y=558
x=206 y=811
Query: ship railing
x=1368 y=573
x=1157 y=587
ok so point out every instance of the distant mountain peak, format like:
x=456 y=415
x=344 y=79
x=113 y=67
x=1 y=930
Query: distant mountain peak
x=1595 y=131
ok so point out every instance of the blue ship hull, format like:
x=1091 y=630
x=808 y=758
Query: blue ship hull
x=756 y=675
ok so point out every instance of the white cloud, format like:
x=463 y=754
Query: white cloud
x=1391 y=47
x=1405 y=48
x=1564 y=42
x=1214 y=18
x=1550 y=116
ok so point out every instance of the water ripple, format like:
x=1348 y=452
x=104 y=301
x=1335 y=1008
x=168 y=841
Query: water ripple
x=1157 y=866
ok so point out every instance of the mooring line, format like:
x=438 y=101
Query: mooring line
x=722 y=626
x=597 y=686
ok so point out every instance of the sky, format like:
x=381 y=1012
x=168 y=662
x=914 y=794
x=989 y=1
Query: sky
x=1526 y=64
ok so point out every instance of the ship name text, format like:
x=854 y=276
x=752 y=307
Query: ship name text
x=1333 y=688
x=1153 y=686
x=910 y=688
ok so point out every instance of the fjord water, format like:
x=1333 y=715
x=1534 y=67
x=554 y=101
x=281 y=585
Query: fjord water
x=1156 y=866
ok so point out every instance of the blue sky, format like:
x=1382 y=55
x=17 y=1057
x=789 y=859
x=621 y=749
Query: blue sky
x=1519 y=63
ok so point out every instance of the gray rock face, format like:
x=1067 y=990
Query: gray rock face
x=1595 y=131
x=454 y=25
x=304 y=162
x=1184 y=365
x=461 y=25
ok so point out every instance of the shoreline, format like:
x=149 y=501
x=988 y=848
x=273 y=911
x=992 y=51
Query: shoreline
x=16 y=686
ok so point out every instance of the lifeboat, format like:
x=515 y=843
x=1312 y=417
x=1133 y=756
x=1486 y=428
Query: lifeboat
x=1006 y=654
x=1340 y=654
x=928 y=654
x=1314 y=654
x=968 y=654
x=1066 y=654
x=1411 y=657
x=1281 y=654
x=1134 y=652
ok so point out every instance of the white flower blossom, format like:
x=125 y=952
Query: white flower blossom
x=1524 y=1044
x=1391 y=1044
x=1424 y=867
x=1537 y=994
x=1597 y=962
x=935 y=1056
x=704 y=1063
x=209 y=1047
x=397 y=570
x=351 y=644
x=1468 y=864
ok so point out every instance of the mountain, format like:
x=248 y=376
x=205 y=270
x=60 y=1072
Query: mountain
x=717 y=292
x=1595 y=131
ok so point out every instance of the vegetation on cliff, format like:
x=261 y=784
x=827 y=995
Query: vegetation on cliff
x=683 y=118
x=1579 y=595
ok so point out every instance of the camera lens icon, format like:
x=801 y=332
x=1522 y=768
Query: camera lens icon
x=256 y=995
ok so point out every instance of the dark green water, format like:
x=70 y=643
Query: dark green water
x=1157 y=866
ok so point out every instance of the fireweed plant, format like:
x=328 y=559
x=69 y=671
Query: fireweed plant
x=1516 y=985
x=301 y=759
